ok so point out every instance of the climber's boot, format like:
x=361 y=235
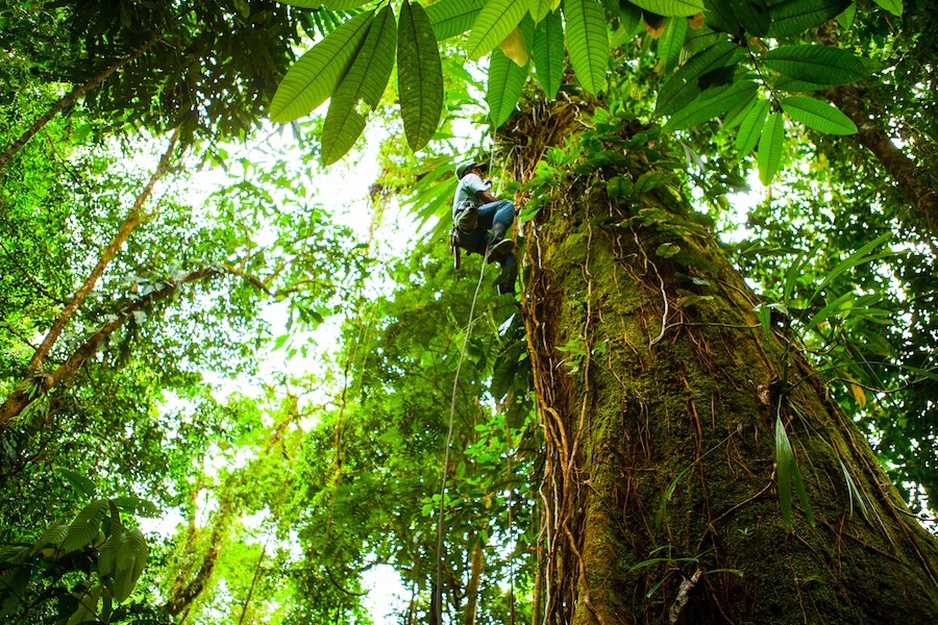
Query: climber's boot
x=498 y=245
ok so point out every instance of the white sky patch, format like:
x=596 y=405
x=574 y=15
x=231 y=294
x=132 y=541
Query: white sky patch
x=386 y=598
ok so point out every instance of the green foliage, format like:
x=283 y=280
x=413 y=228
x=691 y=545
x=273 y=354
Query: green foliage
x=419 y=76
x=816 y=64
x=506 y=81
x=315 y=76
x=496 y=19
x=791 y=17
x=671 y=7
x=549 y=53
x=684 y=86
x=818 y=115
x=787 y=473
x=95 y=553
x=453 y=17
x=587 y=42
x=711 y=103
x=771 y=144
x=366 y=80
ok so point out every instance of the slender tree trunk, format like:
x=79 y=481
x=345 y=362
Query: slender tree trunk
x=20 y=397
x=659 y=394
x=472 y=590
x=68 y=99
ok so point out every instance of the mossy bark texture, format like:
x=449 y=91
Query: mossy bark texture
x=659 y=391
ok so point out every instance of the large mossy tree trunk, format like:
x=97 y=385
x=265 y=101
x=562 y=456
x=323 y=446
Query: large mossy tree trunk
x=659 y=393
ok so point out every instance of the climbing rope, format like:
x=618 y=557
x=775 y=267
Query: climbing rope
x=437 y=603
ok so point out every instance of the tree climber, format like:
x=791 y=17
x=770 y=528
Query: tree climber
x=481 y=221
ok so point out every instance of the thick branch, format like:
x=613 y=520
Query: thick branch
x=902 y=169
x=68 y=99
x=135 y=217
x=22 y=396
x=872 y=135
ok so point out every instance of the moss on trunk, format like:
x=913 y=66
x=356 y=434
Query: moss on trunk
x=658 y=392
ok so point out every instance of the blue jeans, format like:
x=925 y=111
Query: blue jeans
x=502 y=212
x=490 y=214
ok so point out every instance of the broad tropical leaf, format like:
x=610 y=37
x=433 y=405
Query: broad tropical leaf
x=792 y=17
x=729 y=15
x=315 y=76
x=818 y=115
x=131 y=560
x=818 y=64
x=754 y=16
x=668 y=8
x=494 y=22
x=540 y=9
x=84 y=529
x=419 y=75
x=712 y=103
x=548 y=53
x=453 y=17
x=770 y=147
x=366 y=80
x=671 y=41
x=735 y=116
x=343 y=5
x=893 y=6
x=505 y=82
x=587 y=42
x=303 y=4
x=683 y=86
x=751 y=128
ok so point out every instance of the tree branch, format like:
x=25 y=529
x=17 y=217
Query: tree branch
x=24 y=394
x=134 y=218
x=69 y=98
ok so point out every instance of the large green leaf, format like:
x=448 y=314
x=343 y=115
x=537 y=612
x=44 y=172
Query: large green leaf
x=893 y=6
x=671 y=41
x=667 y=8
x=770 y=147
x=84 y=529
x=587 y=42
x=419 y=75
x=131 y=560
x=366 y=80
x=315 y=76
x=818 y=115
x=453 y=17
x=630 y=16
x=683 y=86
x=786 y=470
x=539 y=9
x=750 y=129
x=816 y=64
x=505 y=82
x=343 y=5
x=303 y=4
x=730 y=15
x=711 y=103
x=754 y=16
x=494 y=22
x=548 y=53
x=792 y=17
